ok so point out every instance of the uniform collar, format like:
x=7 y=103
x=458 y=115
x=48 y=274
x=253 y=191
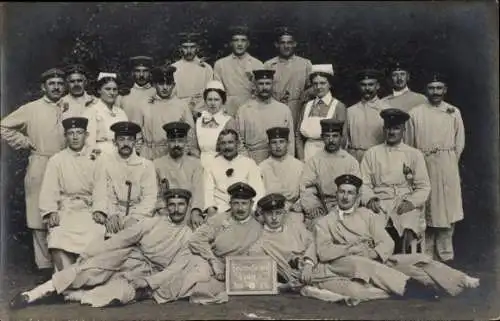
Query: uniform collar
x=242 y=222
x=339 y=153
x=83 y=152
x=341 y=213
x=145 y=87
x=218 y=117
x=103 y=106
x=47 y=100
x=244 y=56
x=394 y=147
x=291 y=58
x=396 y=93
x=327 y=99
x=132 y=160
x=273 y=230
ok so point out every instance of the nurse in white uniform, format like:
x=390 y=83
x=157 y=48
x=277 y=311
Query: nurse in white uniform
x=323 y=106
x=104 y=113
x=212 y=121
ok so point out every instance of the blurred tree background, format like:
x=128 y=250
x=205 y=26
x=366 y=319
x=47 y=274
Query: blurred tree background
x=459 y=39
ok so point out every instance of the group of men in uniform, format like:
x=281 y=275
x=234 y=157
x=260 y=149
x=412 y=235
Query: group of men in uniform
x=386 y=175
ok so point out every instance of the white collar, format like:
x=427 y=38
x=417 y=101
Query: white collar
x=342 y=212
x=219 y=117
x=243 y=221
x=327 y=99
x=396 y=93
x=273 y=230
x=146 y=86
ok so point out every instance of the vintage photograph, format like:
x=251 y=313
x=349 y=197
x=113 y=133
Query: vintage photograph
x=249 y=160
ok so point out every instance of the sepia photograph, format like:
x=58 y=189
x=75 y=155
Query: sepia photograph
x=249 y=160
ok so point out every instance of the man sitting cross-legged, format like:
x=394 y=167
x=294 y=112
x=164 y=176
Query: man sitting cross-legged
x=104 y=267
x=291 y=245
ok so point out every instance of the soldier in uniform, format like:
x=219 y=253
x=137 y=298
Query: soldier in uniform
x=235 y=70
x=125 y=188
x=66 y=197
x=77 y=98
x=402 y=97
x=317 y=186
x=364 y=124
x=224 y=234
x=36 y=126
x=436 y=128
x=142 y=89
x=164 y=107
x=192 y=74
x=395 y=181
x=179 y=170
x=292 y=72
x=258 y=115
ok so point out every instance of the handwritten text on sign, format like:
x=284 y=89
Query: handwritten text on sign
x=247 y=275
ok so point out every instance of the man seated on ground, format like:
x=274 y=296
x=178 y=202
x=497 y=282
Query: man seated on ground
x=395 y=181
x=66 y=197
x=102 y=277
x=354 y=242
x=291 y=245
x=224 y=234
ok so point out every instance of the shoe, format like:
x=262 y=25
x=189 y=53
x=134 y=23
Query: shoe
x=19 y=301
x=114 y=303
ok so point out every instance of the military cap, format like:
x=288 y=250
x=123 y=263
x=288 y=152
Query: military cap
x=75 y=122
x=239 y=31
x=52 y=73
x=273 y=201
x=75 y=69
x=283 y=31
x=278 y=132
x=189 y=37
x=176 y=129
x=145 y=61
x=164 y=73
x=397 y=66
x=178 y=193
x=329 y=125
x=241 y=190
x=263 y=74
x=436 y=77
x=368 y=74
x=215 y=84
x=349 y=179
x=394 y=116
x=125 y=128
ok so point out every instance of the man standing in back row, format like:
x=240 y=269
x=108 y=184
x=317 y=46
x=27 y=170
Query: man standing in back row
x=142 y=89
x=235 y=70
x=364 y=124
x=402 y=97
x=292 y=71
x=258 y=115
x=192 y=74
x=436 y=128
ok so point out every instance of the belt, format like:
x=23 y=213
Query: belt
x=102 y=140
x=437 y=149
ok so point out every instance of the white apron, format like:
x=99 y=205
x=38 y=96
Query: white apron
x=207 y=138
x=310 y=128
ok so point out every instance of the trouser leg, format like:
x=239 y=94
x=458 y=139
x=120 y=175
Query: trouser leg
x=444 y=243
x=62 y=259
x=41 y=250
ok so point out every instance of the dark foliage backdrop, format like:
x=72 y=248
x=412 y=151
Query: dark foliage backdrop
x=460 y=39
